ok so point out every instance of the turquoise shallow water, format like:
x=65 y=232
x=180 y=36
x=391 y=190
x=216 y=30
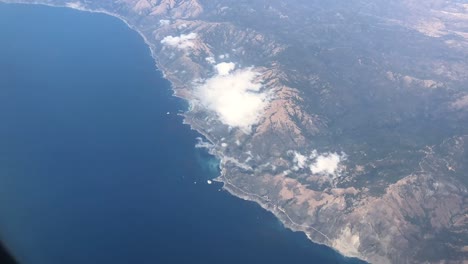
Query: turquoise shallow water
x=92 y=170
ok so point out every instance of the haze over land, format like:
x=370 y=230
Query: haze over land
x=346 y=119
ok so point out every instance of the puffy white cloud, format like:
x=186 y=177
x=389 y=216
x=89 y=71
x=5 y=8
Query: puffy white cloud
x=327 y=164
x=183 y=41
x=234 y=96
x=224 y=68
x=300 y=160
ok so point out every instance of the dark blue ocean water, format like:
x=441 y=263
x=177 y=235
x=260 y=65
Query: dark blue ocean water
x=92 y=170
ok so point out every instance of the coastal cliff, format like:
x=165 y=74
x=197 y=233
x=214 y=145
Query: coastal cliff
x=347 y=121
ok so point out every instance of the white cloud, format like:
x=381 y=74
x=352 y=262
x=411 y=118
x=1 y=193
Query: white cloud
x=300 y=160
x=74 y=5
x=234 y=96
x=203 y=144
x=224 y=68
x=183 y=41
x=210 y=60
x=327 y=164
x=164 y=22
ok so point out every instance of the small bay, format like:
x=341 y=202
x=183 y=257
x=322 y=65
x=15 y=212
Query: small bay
x=94 y=170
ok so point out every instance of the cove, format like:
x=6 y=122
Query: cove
x=93 y=170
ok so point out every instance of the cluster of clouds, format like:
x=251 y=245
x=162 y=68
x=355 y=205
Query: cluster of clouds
x=327 y=164
x=183 y=42
x=234 y=95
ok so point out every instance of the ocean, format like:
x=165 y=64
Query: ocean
x=94 y=170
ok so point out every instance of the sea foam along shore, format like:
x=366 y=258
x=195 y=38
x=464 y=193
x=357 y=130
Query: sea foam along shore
x=234 y=190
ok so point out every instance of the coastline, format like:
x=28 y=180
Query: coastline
x=234 y=190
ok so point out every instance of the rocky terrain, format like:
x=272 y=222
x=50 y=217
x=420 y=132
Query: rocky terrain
x=346 y=119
